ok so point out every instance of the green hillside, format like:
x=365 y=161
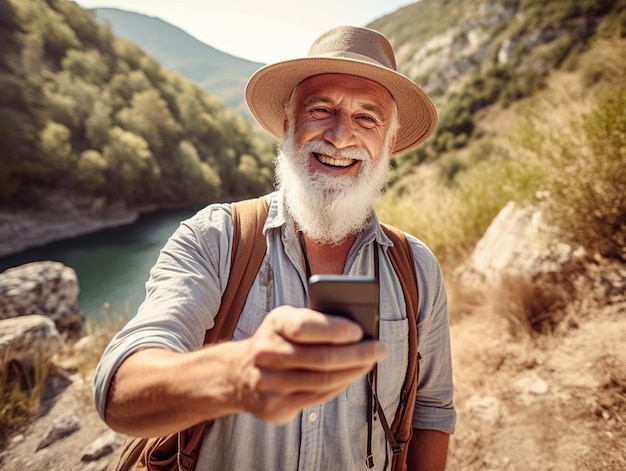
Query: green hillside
x=85 y=112
x=218 y=73
x=531 y=97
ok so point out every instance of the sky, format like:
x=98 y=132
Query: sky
x=257 y=30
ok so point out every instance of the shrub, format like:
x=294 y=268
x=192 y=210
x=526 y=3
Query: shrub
x=450 y=217
x=582 y=145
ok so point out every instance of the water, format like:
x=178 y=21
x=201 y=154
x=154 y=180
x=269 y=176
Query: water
x=112 y=265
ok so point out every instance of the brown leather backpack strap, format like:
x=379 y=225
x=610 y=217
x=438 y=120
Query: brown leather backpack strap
x=248 y=250
x=401 y=256
x=179 y=451
x=247 y=253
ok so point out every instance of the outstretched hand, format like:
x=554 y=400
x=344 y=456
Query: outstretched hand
x=299 y=357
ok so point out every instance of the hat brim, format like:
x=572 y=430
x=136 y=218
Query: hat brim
x=269 y=89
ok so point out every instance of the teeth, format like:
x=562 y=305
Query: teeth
x=325 y=159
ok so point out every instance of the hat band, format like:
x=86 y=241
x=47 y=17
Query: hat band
x=351 y=56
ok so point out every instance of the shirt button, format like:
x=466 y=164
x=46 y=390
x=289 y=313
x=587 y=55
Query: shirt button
x=312 y=417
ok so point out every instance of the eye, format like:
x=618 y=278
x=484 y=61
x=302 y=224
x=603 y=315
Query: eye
x=320 y=112
x=368 y=120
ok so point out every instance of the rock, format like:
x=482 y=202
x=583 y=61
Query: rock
x=29 y=340
x=511 y=244
x=17 y=439
x=61 y=428
x=517 y=245
x=532 y=385
x=42 y=288
x=59 y=215
x=103 y=446
x=486 y=409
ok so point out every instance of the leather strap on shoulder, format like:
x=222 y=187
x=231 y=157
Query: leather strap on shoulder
x=401 y=256
x=248 y=250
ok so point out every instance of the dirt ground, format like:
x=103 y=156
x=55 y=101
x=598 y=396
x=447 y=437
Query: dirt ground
x=544 y=402
x=557 y=404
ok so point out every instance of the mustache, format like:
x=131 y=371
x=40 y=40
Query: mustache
x=319 y=146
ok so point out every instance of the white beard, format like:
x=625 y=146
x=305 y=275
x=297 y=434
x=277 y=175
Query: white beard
x=327 y=208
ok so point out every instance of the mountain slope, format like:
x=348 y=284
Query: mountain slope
x=216 y=72
x=476 y=57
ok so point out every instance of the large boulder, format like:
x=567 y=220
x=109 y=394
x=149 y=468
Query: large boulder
x=42 y=288
x=518 y=243
x=28 y=340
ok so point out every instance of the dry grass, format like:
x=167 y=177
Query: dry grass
x=612 y=400
x=532 y=307
x=89 y=349
x=528 y=308
x=20 y=389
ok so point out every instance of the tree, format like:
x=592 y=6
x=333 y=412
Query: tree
x=97 y=125
x=133 y=171
x=56 y=148
x=91 y=171
x=197 y=179
x=149 y=117
x=88 y=65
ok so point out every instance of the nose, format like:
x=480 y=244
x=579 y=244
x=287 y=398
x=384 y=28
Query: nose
x=340 y=131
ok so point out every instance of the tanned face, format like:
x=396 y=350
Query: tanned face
x=345 y=111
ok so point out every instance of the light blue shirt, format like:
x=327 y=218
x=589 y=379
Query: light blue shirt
x=183 y=297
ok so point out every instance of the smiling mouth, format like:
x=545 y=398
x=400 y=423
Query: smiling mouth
x=334 y=162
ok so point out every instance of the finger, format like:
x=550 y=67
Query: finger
x=290 y=356
x=309 y=382
x=304 y=325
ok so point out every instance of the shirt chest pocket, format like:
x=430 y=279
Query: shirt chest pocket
x=254 y=311
x=391 y=371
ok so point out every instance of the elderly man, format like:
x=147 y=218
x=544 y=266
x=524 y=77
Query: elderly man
x=288 y=392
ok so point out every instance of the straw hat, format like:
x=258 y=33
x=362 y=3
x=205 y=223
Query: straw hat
x=343 y=50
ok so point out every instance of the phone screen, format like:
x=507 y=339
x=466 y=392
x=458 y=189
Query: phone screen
x=354 y=297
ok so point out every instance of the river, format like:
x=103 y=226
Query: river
x=112 y=265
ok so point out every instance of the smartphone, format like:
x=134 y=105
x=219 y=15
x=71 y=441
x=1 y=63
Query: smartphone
x=354 y=297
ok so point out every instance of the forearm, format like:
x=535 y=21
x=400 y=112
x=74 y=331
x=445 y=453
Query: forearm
x=156 y=392
x=428 y=450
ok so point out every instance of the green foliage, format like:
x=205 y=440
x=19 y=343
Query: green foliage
x=196 y=177
x=91 y=171
x=457 y=122
x=451 y=215
x=569 y=150
x=55 y=145
x=132 y=165
x=37 y=16
x=83 y=110
x=539 y=38
x=584 y=154
x=422 y=20
x=89 y=65
x=539 y=13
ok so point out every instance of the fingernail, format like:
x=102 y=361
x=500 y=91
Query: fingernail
x=381 y=349
x=355 y=333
